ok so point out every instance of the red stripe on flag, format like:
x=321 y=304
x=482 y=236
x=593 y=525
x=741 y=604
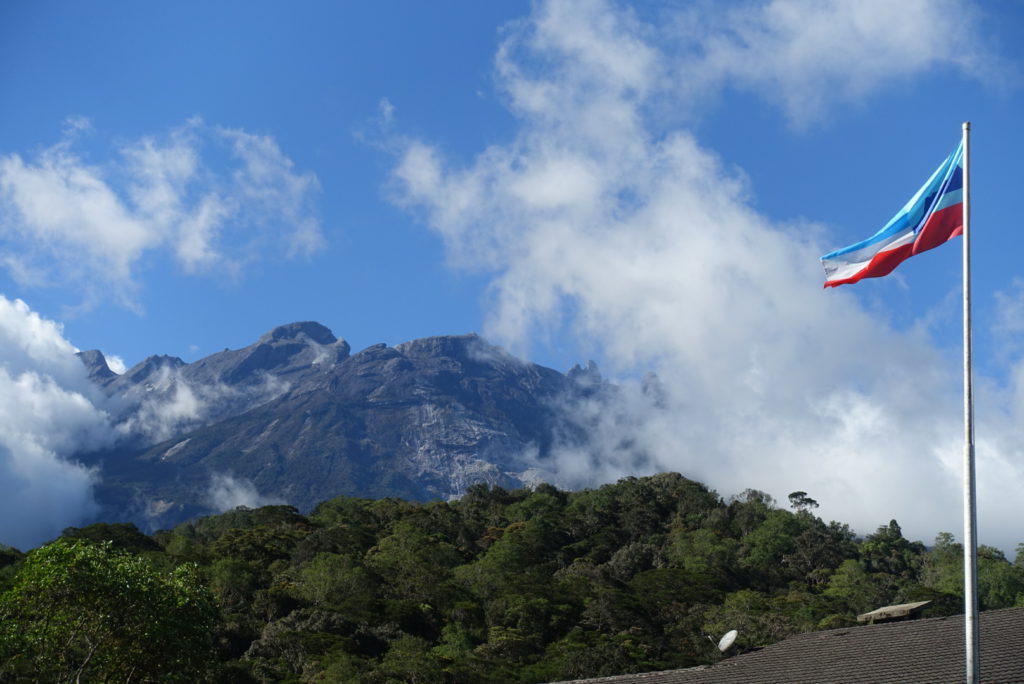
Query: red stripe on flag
x=880 y=265
x=940 y=227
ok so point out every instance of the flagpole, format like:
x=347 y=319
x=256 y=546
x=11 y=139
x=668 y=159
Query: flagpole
x=971 y=644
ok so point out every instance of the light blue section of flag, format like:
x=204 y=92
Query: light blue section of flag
x=909 y=219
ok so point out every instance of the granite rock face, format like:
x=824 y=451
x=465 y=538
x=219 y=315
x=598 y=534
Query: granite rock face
x=295 y=418
x=96 y=364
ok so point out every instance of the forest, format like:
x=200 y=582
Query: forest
x=531 y=585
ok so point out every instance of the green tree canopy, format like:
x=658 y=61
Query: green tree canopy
x=89 y=612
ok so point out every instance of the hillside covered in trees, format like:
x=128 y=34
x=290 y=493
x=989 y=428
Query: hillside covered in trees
x=530 y=585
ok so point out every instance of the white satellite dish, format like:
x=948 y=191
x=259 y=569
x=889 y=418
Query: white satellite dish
x=726 y=641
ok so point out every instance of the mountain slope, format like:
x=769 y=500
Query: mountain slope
x=294 y=418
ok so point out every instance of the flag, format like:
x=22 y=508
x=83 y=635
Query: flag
x=932 y=216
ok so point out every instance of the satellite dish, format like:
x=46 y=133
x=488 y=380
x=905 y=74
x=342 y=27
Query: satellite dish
x=726 y=641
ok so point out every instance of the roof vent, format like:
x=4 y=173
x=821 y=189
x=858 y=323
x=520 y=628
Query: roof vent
x=903 y=611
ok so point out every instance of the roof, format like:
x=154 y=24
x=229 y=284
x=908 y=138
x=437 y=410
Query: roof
x=927 y=650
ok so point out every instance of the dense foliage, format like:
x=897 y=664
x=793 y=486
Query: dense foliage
x=523 y=586
x=79 y=611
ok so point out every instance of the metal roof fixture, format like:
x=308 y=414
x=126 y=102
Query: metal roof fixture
x=903 y=611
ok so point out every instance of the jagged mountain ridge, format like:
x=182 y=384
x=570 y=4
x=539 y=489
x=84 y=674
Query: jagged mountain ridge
x=226 y=383
x=298 y=419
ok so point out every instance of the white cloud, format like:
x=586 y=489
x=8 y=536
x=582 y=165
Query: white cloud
x=386 y=109
x=808 y=54
x=1009 y=323
x=642 y=241
x=167 y=403
x=62 y=208
x=267 y=181
x=116 y=363
x=66 y=221
x=227 y=492
x=48 y=411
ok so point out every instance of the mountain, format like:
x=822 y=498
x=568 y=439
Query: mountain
x=295 y=418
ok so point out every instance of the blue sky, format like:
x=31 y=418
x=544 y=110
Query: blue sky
x=311 y=77
x=648 y=186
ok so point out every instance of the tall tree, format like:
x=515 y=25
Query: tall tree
x=89 y=612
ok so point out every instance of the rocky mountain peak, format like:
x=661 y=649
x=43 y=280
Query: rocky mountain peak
x=145 y=368
x=96 y=364
x=588 y=376
x=296 y=331
x=457 y=346
x=287 y=350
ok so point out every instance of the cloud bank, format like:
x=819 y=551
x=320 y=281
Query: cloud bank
x=48 y=411
x=215 y=198
x=596 y=220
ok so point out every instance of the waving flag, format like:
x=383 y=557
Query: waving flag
x=938 y=212
x=932 y=216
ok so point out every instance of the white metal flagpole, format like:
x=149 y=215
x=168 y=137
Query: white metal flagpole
x=971 y=644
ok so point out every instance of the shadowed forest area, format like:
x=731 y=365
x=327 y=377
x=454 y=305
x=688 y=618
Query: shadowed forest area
x=530 y=585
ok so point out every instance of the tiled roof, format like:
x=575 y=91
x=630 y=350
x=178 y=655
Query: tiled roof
x=930 y=650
